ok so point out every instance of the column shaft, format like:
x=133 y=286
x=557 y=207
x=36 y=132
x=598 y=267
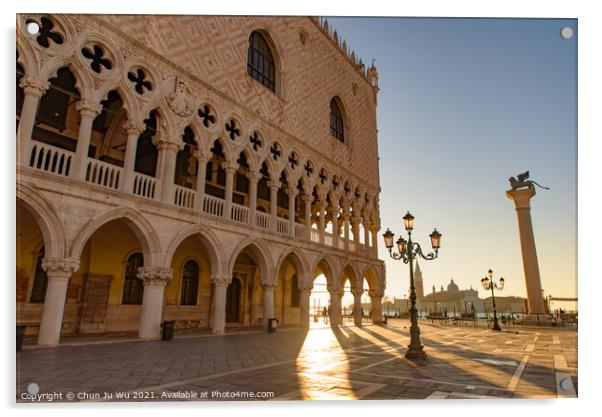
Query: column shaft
x=200 y=183
x=87 y=112
x=59 y=272
x=291 y=211
x=304 y=295
x=274 y=187
x=322 y=223
x=33 y=90
x=129 y=162
x=268 y=304
x=357 y=309
x=220 y=287
x=154 y=280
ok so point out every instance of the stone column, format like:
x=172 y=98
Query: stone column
x=220 y=288
x=322 y=221
x=268 y=302
x=58 y=271
x=274 y=187
x=334 y=214
x=199 y=197
x=336 y=296
x=367 y=235
x=355 y=226
x=155 y=279
x=33 y=89
x=346 y=217
x=254 y=177
x=374 y=231
x=307 y=200
x=521 y=198
x=134 y=130
x=304 y=306
x=292 y=194
x=166 y=166
x=377 y=307
x=87 y=112
x=357 y=307
x=230 y=168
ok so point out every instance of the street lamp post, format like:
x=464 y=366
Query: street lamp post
x=407 y=252
x=489 y=284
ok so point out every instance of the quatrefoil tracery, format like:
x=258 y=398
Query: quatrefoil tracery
x=96 y=55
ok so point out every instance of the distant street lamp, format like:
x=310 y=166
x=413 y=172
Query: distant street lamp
x=488 y=284
x=407 y=252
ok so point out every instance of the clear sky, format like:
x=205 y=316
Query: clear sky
x=463 y=105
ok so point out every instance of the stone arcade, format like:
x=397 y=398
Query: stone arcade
x=198 y=169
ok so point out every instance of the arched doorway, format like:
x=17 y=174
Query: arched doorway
x=233 y=301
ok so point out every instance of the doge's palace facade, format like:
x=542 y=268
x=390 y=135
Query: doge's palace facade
x=202 y=169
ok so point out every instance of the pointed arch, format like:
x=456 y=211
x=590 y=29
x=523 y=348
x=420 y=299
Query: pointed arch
x=297 y=258
x=262 y=256
x=47 y=219
x=210 y=242
x=140 y=226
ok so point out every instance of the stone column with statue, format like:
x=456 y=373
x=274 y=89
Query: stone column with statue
x=521 y=192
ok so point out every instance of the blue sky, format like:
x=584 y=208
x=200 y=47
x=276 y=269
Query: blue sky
x=465 y=104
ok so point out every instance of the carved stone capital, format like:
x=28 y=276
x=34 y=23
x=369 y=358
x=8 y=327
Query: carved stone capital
x=268 y=286
x=380 y=293
x=201 y=155
x=291 y=191
x=33 y=87
x=307 y=198
x=88 y=108
x=254 y=176
x=60 y=267
x=154 y=276
x=134 y=128
x=162 y=143
x=274 y=184
x=229 y=166
x=221 y=280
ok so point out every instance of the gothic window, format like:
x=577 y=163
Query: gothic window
x=146 y=152
x=55 y=104
x=40 y=280
x=190 y=284
x=132 y=286
x=186 y=164
x=260 y=62
x=295 y=295
x=336 y=121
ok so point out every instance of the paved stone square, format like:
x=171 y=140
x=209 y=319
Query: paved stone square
x=291 y=364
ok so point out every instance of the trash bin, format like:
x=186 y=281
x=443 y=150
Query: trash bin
x=385 y=319
x=168 y=328
x=315 y=318
x=20 y=336
x=272 y=325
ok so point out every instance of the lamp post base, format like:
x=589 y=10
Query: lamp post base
x=496 y=327
x=415 y=353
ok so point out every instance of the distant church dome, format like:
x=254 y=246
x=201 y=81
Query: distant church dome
x=453 y=287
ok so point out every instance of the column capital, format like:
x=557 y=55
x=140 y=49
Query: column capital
x=33 y=87
x=379 y=293
x=88 y=108
x=134 y=128
x=307 y=198
x=221 y=280
x=272 y=183
x=270 y=286
x=230 y=167
x=60 y=266
x=201 y=155
x=357 y=292
x=154 y=276
x=161 y=141
x=291 y=191
x=355 y=220
x=254 y=176
x=521 y=197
